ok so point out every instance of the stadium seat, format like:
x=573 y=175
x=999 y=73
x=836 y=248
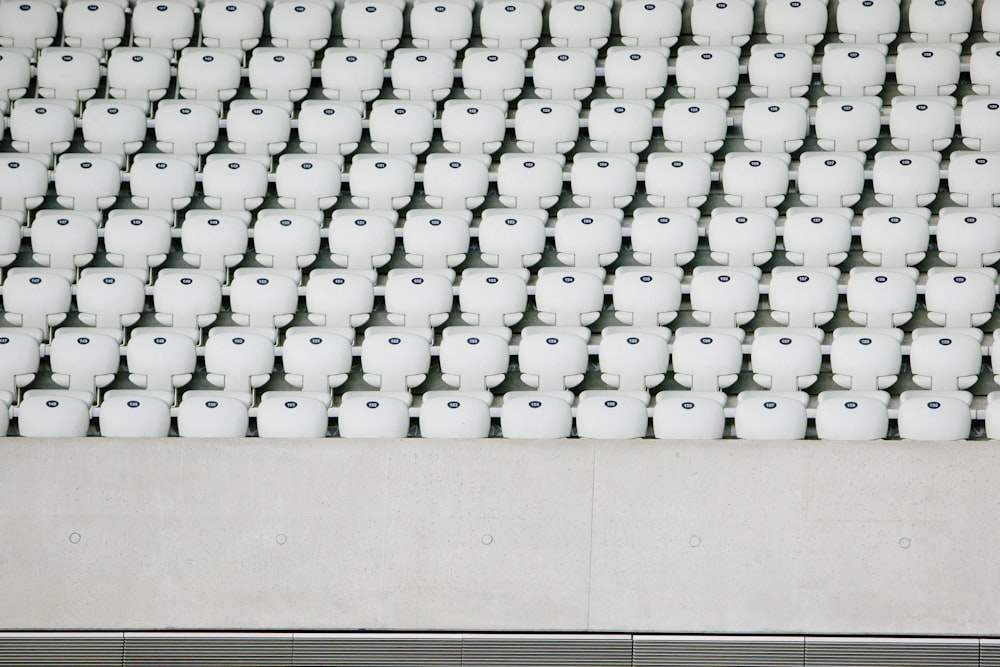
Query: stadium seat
x=563 y=73
x=609 y=415
x=232 y=24
x=40 y=126
x=535 y=415
x=454 y=181
x=645 y=23
x=707 y=359
x=624 y=126
x=309 y=182
x=755 y=179
x=436 y=239
x=395 y=359
x=779 y=70
x=63 y=241
x=635 y=74
x=354 y=75
x=603 y=180
x=724 y=296
x=473 y=360
x=371 y=24
x=775 y=126
x=978 y=123
x=234 y=182
x=646 y=296
x=633 y=359
x=922 y=123
x=817 y=237
x=134 y=414
x=213 y=241
x=164 y=24
x=339 y=298
x=881 y=297
x=20 y=353
x=707 y=71
x=928 y=69
x=237 y=360
x=552 y=360
x=328 y=127
x=993 y=416
x=934 y=21
x=138 y=74
x=742 y=236
x=895 y=237
x=257 y=128
x=29 y=24
x=316 y=359
x=110 y=298
x=372 y=415
x=15 y=76
x=968 y=238
x=453 y=414
x=853 y=70
x=868 y=21
x=361 y=239
x=382 y=181
x=53 y=413
x=946 y=359
x=851 y=124
x=300 y=24
x=852 y=415
x=212 y=414
x=186 y=128
x=803 y=297
x=510 y=24
x=830 y=179
x=541 y=126
x=161 y=182
x=264 y=298
x=906 y=179
x=286 y=239
x=113 y=128
x=418 y=297
x=83 y=360
x=69 y=74
x=511 y=238
x=569 y=297
x=87 y=182
x=160 y=359
x=492 y=298
x=771 y=415
x=866 y=359
x=695 y=126
x=678 y=180
x=579 y=23
x=441 y=24
x=533 y=181
x=473 y=127
x=287 y=415
x=960 y=297
x=786 y=359
x=689 y=415
x=422 y=74
x=972 y=178
x=795 y=21
x=934 y=415
x=190 y=299
x=983 y=69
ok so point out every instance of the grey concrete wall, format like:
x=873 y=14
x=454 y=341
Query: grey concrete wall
x=726 y=536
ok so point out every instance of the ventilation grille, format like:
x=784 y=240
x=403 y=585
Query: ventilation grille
x=64 y=650
x=717 y=651
x=887 y=653
x=208 y=650
x=377 y=651
x=595 y=651
x=989 y=653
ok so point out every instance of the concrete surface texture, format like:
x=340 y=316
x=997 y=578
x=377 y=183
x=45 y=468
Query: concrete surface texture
x=889 y=537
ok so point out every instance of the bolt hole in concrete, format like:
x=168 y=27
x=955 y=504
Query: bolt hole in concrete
x=487 y=539
x=694 y=541
x=904 y=543
x=74 y=538
x=280 y=538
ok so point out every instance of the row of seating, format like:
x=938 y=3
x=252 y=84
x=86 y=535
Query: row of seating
x=448 y=24
x=921 y=415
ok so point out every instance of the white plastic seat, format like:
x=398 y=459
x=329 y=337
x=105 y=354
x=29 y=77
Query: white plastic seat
x=510 y=24
x=603 y=180
x=134 y=414
x=771 y=415
x=369 y=415
x=285 y=415
x=329 y=128
x=422 y=74
x=633 y=359
x=563 y=73
x=779 y=71
x=339 y=298
x=928 y=69
x=881 y=297
x=186 y=128
x=755 y=179
x=866 y=359
x=934 y=415
x=109 y=127
x=695 y=126
x=10 y=238
x=83 y=360
x=87 y=182
x=30 y=24
x=707 y=71
x=803 y=297
x=619 y=126
x=707 y=359
x=646 y=296
x=352 y=74
x=817 y=236
x=689 y=415
x=983 y=65
x=15 y=76
x=579 y=23
x=266 y=298
x=280 y=74
x=238 y=360
x=795 y=21
x=189 y=299
x=922 y=123
x=161 y=182
x=382 y=181
x=36 y=299
x=906 y=179
x=212 y=414
x=20 y=352
x=213 y=241
x=664 y=237
x=452 y=414
x=208 y=74
x=71 y=74
x=973 y=178
x=895 y=237
x=535 y=415
x=234 y=182
x=440 y=24
x=473 y=127
x=852 y=415
x=568 y=297
x=541 y=126
x=315 y=359
x=369 y=24
x=435 y=239
x=937 y=21
x=138 y=74
x=63 y=240
x=552 y=360
x=980 y=123
x=258 y=128
x=742 y=236
x=830 y=179
x=110 y=298
x=418 y=298
x=300 y=24
x=992 y=415
x=853 y=69
x=786 y=359
x=608 y=415
x=678 y=180
x=38 y=126
x=53 y=413
x=473 y=360
x=868 y=21
x=634 y=73
x=724 y=296
x=286 y=239
x=393 y=359
x=852 y=124
x=656 y=23
x=454 y=181
x=990 y=18
x=530 y=181
x=309 y=182
x=165 y=24
x=511 y=238
x=968 y=238
x=777 y=126
x=160 y=359
x=23 y=183
x=962 y=297
x=947 y=359
x=362 y=240
x=232 y=24
x=726 y=23
x=588 y=237
x=493 y=74
x=995 y=359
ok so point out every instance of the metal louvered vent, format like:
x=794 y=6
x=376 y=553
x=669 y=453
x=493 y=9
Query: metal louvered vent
x=865 y=652
x=542 y=650
x=207 y=650
x=63 y=649
x=692 y=651
x=375 y=650
x=989 y=653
